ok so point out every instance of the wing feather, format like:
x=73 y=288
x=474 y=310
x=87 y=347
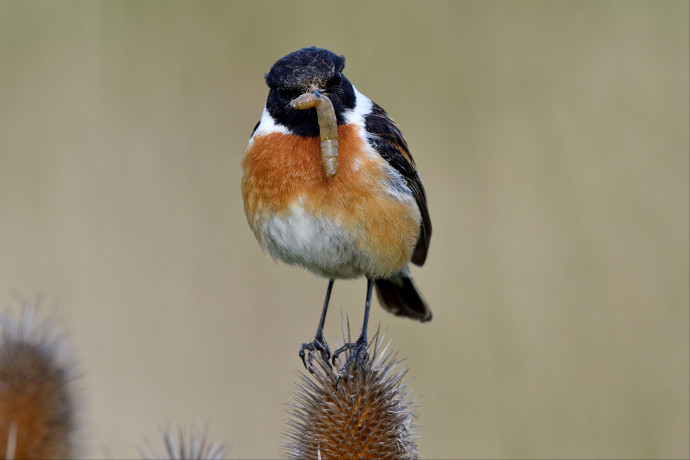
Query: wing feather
x=391 y=145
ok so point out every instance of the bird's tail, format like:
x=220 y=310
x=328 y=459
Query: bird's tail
x=400 y=296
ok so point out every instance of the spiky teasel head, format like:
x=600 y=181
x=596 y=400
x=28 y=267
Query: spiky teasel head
x=183 y=444
x=370 y=414
x=37 y=401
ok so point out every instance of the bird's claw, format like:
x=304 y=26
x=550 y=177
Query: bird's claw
x=319 y=344
x=358 y=353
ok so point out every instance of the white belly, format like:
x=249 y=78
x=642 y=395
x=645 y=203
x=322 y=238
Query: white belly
x=319 y=244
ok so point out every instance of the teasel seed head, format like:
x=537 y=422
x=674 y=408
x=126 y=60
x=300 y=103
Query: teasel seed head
x=37 y=400
x=184 y=444
x=370 y=414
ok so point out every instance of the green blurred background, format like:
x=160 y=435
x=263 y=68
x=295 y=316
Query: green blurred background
x=552 y=138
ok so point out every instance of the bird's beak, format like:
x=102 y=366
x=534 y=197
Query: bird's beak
x=328 y=126
x=314 y=89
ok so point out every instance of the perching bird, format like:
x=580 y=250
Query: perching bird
x=363 y=215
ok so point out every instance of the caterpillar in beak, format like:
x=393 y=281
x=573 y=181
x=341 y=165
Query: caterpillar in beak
x=328 y=127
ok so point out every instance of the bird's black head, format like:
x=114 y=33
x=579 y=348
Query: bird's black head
x=302 y=71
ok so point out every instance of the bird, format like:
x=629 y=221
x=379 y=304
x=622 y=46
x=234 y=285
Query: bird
x=366 y=216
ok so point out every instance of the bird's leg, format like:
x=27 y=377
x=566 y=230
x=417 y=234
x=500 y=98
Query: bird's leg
x=358 y=350
x=319 y=343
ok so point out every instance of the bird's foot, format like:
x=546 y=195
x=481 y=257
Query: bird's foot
x=358 y=354
x=319 y=344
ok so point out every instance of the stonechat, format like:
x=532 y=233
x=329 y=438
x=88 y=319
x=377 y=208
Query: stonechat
x=365 y=214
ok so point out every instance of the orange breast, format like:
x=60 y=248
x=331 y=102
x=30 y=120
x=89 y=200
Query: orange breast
x=283 y=171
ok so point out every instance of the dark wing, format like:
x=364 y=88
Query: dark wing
x=390 y=143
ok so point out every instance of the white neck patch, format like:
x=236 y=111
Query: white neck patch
x=361 y=109
x=268 y=125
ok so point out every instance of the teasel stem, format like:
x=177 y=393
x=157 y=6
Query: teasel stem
x=369 y=415
x=328 y=127
x=37 y=400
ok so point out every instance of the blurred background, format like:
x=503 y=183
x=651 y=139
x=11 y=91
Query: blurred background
x=552 y=138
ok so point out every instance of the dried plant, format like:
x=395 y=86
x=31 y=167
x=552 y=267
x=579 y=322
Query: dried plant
x=369 y=414
x=190 y=445
x=37 y=402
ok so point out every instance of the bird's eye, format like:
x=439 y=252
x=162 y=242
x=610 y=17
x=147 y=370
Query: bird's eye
x=335 y=81
x=286 y=94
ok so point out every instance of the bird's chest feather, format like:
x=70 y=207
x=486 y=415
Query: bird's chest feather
x=362 y=221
